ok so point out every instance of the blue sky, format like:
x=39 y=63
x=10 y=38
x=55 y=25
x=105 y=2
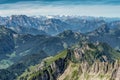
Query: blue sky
x=105 y=8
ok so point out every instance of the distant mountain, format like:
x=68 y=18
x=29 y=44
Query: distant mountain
x=14 y=45
x=53 y=25
x=114 y=24
x=22 y=24
x=31 y=25
x=25 y=30
x=102 y=30
x=84 y=25
x=106 y=34
x=70 y=37
x=6 y=41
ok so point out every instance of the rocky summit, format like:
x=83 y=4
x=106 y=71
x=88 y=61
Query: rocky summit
x=86 y=62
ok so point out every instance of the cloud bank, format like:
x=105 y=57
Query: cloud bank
x=36 y=8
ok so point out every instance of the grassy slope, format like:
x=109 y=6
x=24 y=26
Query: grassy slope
x=48 y=61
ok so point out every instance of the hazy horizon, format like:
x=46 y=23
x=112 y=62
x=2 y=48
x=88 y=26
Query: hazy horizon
x=101 y=8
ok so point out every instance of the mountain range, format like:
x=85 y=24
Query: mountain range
x=53 y=25
x=42 y=48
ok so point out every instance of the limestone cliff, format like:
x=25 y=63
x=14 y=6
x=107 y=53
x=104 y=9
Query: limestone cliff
x=86 y=62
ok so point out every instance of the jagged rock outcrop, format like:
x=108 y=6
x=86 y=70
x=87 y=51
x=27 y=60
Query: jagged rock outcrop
x=56 y=68
x=88 y=62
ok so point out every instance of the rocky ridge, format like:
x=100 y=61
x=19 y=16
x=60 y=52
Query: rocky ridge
x=89 y=61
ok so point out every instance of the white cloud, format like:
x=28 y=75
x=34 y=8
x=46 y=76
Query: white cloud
x=32 y=9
